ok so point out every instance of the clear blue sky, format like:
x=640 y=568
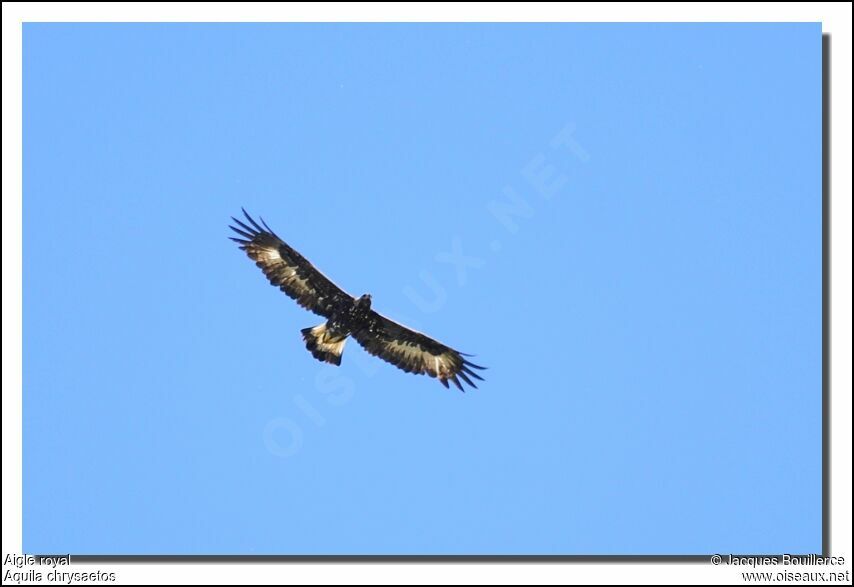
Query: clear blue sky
x=622 y=222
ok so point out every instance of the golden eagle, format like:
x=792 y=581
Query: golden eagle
x=345 y=315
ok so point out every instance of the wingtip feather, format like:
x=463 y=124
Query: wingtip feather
x=470 y=364
x=252 y=221
x=475 y=375
x=248 y=229
x=270 y=230
x=466 y=379
x=242 y=233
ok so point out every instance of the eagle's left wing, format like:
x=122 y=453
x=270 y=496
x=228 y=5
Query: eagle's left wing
x=287 y=269
x=414 y=352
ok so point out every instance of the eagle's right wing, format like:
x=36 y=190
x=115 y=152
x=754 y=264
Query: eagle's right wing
x=415 y=352
x=287 y=269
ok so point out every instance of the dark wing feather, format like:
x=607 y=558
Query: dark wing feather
x=414 y=352
x=287 y=269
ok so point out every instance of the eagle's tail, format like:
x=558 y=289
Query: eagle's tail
x=324 y=346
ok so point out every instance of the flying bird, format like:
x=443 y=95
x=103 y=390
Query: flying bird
x=345 y=315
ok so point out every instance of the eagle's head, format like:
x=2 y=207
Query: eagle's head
x=364 y=302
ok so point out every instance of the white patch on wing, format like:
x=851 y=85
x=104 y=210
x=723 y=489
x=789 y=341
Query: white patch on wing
x=302 y=284
x=269 y=254
x=409 y=351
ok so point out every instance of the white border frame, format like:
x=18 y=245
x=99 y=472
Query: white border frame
x=836 y=20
